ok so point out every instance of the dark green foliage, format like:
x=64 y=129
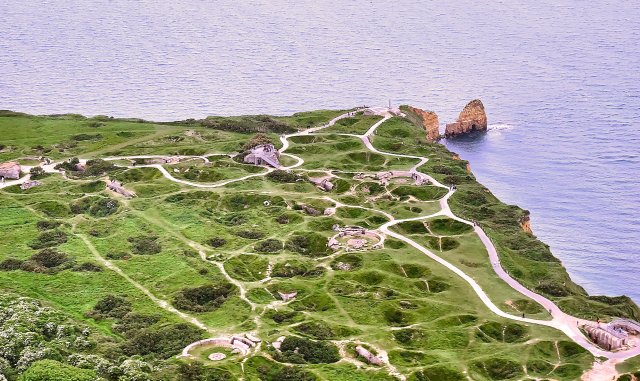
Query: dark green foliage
x=145 y=245
x=283 y=316
x=49 y=258
x=437 y=373
x=47 y=225
x=248 y=124
x=118 y=255
x=539 y=367
x=498 y=368
x=204 y=298
x=216 y=242
x=409 y=336
x=48 y=239
x=448 y=243
x=69 y=165
x=11 y=264
x=95 y=206
x=111 y=306
x=320 y=330
x=280 y=176
x=249 y=234
x=413 y=227
x=98 y=167
x=397 y=317
x=37 y=173
x=233 y=219
x=88 y=267
x=163 y=342
x=269 y=246
x=133 y=321
x=309 y=244
x=301 y=350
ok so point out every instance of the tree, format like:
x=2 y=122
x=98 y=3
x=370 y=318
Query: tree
x=37 y=173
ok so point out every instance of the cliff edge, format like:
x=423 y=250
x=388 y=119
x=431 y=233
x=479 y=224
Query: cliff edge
x=472 y=118
x=428 y=120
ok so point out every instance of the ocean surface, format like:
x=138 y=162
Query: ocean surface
x=560 y=81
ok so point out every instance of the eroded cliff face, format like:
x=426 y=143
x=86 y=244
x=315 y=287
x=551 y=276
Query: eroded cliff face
x=472 y=118
x=525 y=223
x=428 y=120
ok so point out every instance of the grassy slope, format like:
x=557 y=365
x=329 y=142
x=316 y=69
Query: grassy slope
x=392 y=288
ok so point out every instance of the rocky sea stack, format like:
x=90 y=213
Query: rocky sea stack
x=472 y=118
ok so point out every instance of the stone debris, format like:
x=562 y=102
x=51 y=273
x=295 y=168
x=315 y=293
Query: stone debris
x=287 y=296
x=30 y=184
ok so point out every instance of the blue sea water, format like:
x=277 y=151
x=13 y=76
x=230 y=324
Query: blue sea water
x=560 y=81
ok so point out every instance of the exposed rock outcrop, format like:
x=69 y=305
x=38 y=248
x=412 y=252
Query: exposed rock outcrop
x=472 y=118
x=525 y=223
x=427 y=119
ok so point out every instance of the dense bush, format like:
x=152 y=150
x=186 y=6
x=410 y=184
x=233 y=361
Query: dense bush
x=204 y=298
x=132 y=321
x=300 y=350
x=37 y=173
x=89 y=267
x=49 y=239
x=293 y=268
x=47 y=225
x=145 y=245
x=249 y=234
x=269 y=246
x=248 y=124
x=216 y=242
x=11 y=264
x=281 y=176
x=98 y=167
x=162 y=342
x=69 y=165
x=111 y=306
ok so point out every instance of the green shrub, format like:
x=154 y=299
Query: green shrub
x=280 y=176
x=37 y=173
x=269 y=246
x=111 y=306
x=145 y=245
x=47 y=225
x=249 y=234
x=11 y=264
x=216 y=242
x=204 y=298
x=48 y=239
x=309 y=351
x=163 y=342
x=88 y=267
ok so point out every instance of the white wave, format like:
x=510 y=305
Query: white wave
x=499 y=127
